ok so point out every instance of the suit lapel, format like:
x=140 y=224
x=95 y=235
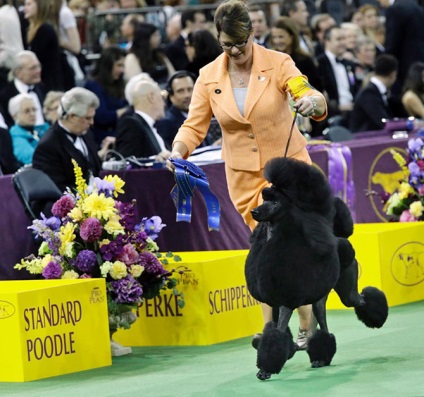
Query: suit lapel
x=149 y=134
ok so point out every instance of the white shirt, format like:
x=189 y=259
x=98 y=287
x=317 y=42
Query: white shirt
x=151 y=122
x=342 y=80
x=23 y=89
x=381 y=87
x=78 y=142
x=10 y=36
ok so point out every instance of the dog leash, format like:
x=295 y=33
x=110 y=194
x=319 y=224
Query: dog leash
x=291 y=130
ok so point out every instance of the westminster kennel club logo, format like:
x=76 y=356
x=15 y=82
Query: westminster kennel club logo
x=407 y=264
x=387 y=181
x=6 y=310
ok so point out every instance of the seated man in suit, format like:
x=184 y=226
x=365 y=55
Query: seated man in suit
x=180 y=89
x=8 y=162
x=27 y=79
x=69 y=138
x=137 y=135
x=337 y=74
x=371 y=105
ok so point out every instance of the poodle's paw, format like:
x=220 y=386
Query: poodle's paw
x=374 y=311
x=318 y=364
x=255 y=340
x=263 y=375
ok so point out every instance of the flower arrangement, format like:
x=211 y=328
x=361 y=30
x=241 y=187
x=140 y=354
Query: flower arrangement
x=407 y=203
x=91 y=234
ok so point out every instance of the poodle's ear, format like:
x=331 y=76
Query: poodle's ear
x=343 y=222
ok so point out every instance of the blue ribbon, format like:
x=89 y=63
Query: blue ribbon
x=188 y=177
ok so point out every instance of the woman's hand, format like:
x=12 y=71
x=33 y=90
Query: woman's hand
x=310 y=106
x=174 y=155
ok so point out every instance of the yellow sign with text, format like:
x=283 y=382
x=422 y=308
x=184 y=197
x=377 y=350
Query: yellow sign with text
x=218 y=306
x=52 y=327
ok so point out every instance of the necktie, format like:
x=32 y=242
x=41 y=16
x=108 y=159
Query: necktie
x=339 y=60
x=72 y=136
x=30 y=89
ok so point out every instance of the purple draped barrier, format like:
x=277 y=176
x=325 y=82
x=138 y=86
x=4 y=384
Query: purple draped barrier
x=372 y=169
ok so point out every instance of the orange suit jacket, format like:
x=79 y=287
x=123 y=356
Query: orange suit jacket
x=251 y=140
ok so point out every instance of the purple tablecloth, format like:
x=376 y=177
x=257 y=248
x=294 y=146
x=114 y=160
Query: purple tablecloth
x=373 y=168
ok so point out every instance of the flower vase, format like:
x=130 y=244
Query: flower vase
x=126 y=316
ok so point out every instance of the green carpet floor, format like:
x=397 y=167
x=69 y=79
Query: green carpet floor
x=368 y=363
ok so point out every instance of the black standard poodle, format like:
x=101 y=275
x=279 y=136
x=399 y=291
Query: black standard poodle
x=299 y=252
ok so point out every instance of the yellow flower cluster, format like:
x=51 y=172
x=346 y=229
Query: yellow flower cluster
x=79 y=179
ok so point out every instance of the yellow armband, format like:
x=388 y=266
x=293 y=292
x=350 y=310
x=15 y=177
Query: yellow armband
x=299 y=86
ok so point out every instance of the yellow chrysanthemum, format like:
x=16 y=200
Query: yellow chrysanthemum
x=117 y=182
x=81 y=184
x=99 y=206
x=76 y=214
x=70 y=275
x=67 y=236
x=113 y=226
x=46 y=260
x=118 y=270
x=416 y=209
x=105 y=268
x=136 y=270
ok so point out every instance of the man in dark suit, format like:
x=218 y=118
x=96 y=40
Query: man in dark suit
x=180 y=89
x=404 y=35
x=27 y=79
x=261 y=32
x=69 y=138
x=8 y=162
x=371 y=104
x=137 y=135
x=337 y=74
x=176 y=50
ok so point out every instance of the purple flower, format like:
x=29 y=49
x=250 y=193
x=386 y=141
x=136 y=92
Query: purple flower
x=152 y=226
x=127 y=212
x=104 y=187
x=129 y=255
x=91 y=230
x=112 y=250
x=86 y=261
x=52 y=271
x=126 y=290
x=151 y=264
x=62 y=206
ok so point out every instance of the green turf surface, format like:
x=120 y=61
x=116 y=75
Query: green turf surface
x=368 y=363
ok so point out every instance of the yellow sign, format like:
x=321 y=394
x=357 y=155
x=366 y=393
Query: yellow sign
x=218 y=306
x=52 y=327
x=391 y=257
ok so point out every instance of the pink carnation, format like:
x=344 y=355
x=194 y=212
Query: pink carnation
x=129 y=255
x=91 y=230
x=407 y=217
x=63 y=206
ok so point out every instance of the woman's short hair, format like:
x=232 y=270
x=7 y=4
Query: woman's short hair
x=232 y=17
x=51 y=97
x=77 y=101
x=15 y=103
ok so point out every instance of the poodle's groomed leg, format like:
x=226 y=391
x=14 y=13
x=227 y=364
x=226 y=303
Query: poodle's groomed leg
x=276 y=345
x=322 y=345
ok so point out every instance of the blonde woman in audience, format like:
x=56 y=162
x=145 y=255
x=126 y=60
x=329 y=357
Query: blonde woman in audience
x=352 y=33
x=413 y=91
x=25 y=134
x=50 y=106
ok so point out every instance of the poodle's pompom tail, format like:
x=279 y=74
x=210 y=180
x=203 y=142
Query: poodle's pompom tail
x=275 y=348
x=373 y=313
x=321 y=349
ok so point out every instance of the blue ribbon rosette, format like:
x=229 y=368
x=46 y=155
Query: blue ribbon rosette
x=188 y=177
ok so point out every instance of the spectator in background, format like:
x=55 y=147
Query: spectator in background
x=69 y=139
x=43 y=41
x=358 y=19
x=202 y=48
x=27 y=79
x=137 y=135
x=371 y=104
x=285 y=38
x=180 y=89
x=107 y=82
x=352 y=34
x=319 y=24
x=175 y=51
x=337 y=74
x=146 y=55
x=413 y=91
x=8 y=162
x=25 y=134
x=371 y=15
x=296 y=10
x=10 y=38
x=261 y=31
x=173 y=28
x=339 y=9
x=51 y=105
x=128 y=27
x=404 y=36
x=365 y=53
